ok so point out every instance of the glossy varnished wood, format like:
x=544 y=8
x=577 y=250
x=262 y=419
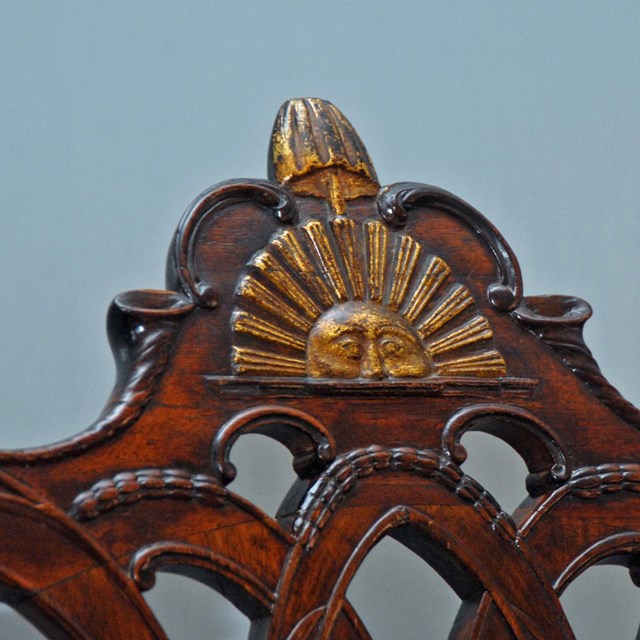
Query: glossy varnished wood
x=264 y=281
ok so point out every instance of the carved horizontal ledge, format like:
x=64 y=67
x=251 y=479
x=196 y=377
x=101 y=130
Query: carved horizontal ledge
x=282 y=387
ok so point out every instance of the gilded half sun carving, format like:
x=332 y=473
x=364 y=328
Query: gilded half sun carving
x=348 y=300
x=365 y=340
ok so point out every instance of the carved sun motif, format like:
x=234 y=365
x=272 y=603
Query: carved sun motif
x=349 y=300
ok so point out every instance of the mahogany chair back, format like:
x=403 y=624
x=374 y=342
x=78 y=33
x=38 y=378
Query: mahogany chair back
x=367 y=329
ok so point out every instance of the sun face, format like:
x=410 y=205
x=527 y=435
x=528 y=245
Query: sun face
x=349 y=300
x=365 y=340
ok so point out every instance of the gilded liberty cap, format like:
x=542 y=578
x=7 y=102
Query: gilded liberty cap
x=316 y=151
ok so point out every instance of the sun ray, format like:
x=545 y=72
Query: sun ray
x=376 y=242
x=457 y=300
x=253 y=361
x=474 y=330
x=292 y=251
x=344 y=230
x=269 y=266
x=435 y=274
x=488 y=364
x=253 y=290
x=407 y=257
x=317 y=237
x=305 y=272
x=250 y=324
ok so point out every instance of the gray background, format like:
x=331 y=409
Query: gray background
x=114 y=115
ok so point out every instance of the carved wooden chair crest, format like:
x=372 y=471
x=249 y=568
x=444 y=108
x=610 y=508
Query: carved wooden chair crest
x=367 y=329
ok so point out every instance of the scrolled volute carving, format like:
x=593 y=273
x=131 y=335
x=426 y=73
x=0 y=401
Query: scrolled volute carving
x=141 y=326
x=537 y=443
x=559 y=322
x=272 y=197
x=349 y=323
x=311 y=443
x=396 y=201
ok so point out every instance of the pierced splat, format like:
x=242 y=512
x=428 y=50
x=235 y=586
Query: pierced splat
x=366 y=329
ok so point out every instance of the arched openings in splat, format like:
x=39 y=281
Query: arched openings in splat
x=422 y=537
x=14 y=627
x=264 y=472
x=189 y=610
x=538 y=443
x=268 y=477
x=223 y=580
x=596 y=601
x=236 y=581
x=398 y=596
x=497 y=467
x=603 y=579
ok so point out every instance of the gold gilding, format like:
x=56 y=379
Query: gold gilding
x=265 y=330
x=488 y=364
x=321 y=246
x=376 y=244
x=256 y=362
x=347 y=299
x=408 y=253
x=292 y=251
x=473 y=331
x=351 y=251
x=316 y=152
x=365 y=340
x=456 y=301
x=253 y=290
x=284 y=281
x=434 y=275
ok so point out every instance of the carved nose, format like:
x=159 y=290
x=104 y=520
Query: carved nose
x=371 y=364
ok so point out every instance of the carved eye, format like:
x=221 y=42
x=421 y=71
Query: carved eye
x=390 y=347
x=350 y=348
